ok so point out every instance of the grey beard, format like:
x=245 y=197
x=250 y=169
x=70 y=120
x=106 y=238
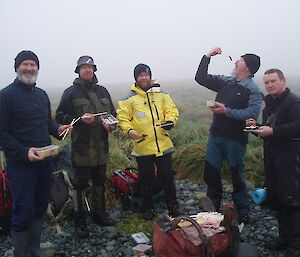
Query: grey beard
x=233 y=73
x=27 y=81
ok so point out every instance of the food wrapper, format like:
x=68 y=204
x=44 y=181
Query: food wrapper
x=205 y=218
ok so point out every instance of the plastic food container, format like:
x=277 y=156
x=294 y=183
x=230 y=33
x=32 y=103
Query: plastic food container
x=140 y=238
x=47 y=151
x=141 y=248
x=211 y=103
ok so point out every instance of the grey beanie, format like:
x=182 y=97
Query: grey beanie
x=85 y=60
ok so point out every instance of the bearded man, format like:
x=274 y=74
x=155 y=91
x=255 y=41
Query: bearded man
x=25 y=126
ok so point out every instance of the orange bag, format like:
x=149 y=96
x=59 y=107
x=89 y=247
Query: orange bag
x=171 y=241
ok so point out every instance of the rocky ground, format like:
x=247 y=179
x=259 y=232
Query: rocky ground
x=108 y=242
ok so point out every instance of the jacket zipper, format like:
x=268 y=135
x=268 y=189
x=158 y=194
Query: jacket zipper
x=153 y=123
x=155 y=107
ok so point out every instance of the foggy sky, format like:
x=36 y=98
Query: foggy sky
x=169 y=35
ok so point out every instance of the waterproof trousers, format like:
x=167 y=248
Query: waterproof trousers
x=164 y=171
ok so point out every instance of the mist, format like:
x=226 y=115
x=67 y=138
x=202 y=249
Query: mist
x=169 y=36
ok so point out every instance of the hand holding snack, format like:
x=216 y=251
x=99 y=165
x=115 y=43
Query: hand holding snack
x=88 y=118
x=133 y=134
x=214 y=51
x=211 y=104
x=63 y=128
x=219 y=108
x=33 y=155
x=264 y=131
x=251 y=123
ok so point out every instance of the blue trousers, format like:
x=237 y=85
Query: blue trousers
x=219 y=149
x=30 y=186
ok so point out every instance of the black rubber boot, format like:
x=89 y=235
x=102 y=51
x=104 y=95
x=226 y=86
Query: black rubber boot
x=98 y=207
x=20 y=241
x=174 y=209
x=284 y=226
x=212 y=177
x=80 y=226
x=294 y=245
x=35 y=238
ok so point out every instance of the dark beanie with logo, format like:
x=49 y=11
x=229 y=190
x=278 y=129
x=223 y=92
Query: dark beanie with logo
x=252 y=61
x=26 y=55
x=140 y=68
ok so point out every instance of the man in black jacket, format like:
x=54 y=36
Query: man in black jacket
x=89 y=141
x=238 y=98
x=25 y=125
x=281 y=134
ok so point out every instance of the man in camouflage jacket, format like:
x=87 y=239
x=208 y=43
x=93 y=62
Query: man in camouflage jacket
x=89 y=140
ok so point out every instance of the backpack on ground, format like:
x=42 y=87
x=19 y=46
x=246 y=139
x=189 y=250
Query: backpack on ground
x=5 y=199
x=61 y=203
x=197 y=238
x=127 y=187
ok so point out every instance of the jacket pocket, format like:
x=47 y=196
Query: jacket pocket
x=82 y=106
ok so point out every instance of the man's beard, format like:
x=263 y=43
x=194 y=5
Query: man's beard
x=233 y=72
x=26 y=80
x=145 y=85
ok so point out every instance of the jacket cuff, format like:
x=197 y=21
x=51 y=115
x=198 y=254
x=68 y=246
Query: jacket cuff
x=24 y=155
x=129 y=131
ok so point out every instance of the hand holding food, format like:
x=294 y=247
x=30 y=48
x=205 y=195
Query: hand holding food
x=33 y=154
x=214 y=51
x=133 y=134
x=264 y=131
x=88 y=118
x=219 y=108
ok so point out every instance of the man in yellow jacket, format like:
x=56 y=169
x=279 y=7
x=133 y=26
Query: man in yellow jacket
x=146 y=115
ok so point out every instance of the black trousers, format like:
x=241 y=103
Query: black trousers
x=166 y=175
x=83 y=174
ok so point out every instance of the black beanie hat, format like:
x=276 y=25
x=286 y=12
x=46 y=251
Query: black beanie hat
x=26 y=55
x=252 y=61
x=141 y=68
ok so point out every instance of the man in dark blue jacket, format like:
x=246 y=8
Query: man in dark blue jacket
x=238 y=98
x=281 y=134
x=25 y=126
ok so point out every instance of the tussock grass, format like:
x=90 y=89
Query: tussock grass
x=189 y=161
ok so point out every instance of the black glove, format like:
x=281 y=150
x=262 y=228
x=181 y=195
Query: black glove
x=167 y=125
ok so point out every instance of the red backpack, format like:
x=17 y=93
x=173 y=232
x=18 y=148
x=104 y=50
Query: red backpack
x=127 y=187
x=5 y=200
x=123 y=180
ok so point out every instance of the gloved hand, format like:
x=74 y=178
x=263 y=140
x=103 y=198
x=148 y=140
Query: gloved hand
x=167 y=125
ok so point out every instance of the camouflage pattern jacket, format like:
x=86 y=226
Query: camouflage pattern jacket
x=89 y=141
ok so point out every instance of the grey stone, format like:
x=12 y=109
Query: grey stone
x=247 y=250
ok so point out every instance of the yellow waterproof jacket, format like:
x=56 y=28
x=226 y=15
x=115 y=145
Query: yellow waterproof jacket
x=144 y=112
